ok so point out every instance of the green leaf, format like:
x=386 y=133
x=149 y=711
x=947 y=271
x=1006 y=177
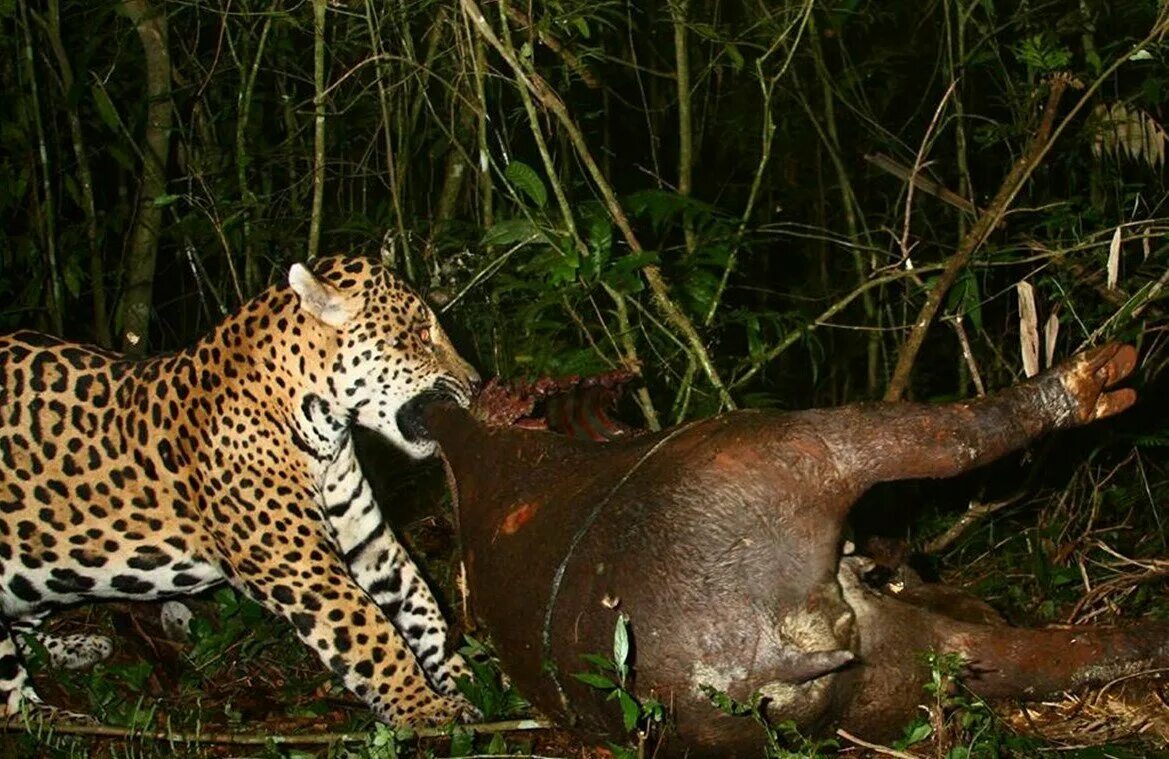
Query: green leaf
x=736 y=57
x=623 y=275
x=601 y=662
x=594 y=680
x=71 y=274
x=600 y=233
x=165 y=200
x=527 y=181
x=724 y=703
x=462 y=742
x=630 y=712
x=1043 y=52
x=916 y=733
x=510 y=231
x=704 y=30
x=621 y=642
x=105 y=108
x=123 y=157
x=622 y=752
x=964 y=299
x=497 y=745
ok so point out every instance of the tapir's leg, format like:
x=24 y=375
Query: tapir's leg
x=1005 y=662
x=892 y=441
x=1001 y=661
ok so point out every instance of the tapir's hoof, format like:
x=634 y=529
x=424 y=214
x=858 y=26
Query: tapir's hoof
x=1088 y=375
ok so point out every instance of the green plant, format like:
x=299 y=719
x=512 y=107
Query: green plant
x=961 y=725
x=487 y=689
x=611 y=675
x=784 y=740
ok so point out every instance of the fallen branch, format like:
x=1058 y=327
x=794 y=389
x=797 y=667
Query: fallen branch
x=875 y=746
x=973 y=515
x=254 y=739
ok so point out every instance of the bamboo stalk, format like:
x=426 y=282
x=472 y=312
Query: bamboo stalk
x=101 y=321
x=486 y=187
x=853 y=221
x=678 y=13
x=48 y=213
x=566 y=217
x=247 y=197
x=375 y=39
x=314 y=233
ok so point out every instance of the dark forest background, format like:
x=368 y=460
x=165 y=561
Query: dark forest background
x=784 y=204
x=718 y=193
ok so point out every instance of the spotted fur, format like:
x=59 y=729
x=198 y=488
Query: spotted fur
x=234 y=461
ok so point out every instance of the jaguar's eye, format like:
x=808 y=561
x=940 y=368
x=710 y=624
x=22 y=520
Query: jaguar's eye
x=424 y=335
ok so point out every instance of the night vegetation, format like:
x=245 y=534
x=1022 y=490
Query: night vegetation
x=785 y=204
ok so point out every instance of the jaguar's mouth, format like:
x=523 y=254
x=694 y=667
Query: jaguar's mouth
x=409 y=416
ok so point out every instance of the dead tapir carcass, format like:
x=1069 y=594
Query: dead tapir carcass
x=720 y=540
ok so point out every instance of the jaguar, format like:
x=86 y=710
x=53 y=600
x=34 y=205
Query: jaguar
x=233 y=462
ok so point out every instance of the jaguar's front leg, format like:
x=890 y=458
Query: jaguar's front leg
x=308 y=584
x=381 y=565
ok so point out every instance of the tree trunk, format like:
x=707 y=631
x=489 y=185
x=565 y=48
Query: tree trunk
x=139 y=270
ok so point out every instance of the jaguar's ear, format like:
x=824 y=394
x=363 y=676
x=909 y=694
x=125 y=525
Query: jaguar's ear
x=323 y=301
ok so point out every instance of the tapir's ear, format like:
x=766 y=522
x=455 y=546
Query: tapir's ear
x=320 y=299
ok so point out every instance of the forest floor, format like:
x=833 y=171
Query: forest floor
x=241 y=684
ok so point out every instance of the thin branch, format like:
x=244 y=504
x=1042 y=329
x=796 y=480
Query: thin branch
x=542 y=145
x=314 y=233
x=1036 y=151
x=556 y=45
x=653 y=275
x=247 y=197
x=918 y=160
x=976 y=512
x=875 y=746
x=968 y=356
x=1010 y=187
x=375 y=39
x=794 y=335
x=767 y=139
x=254 y=739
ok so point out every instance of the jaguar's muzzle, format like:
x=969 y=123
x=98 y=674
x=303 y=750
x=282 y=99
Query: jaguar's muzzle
x=409 y=416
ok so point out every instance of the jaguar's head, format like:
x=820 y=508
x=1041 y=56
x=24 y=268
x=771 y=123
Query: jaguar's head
x=391 y=357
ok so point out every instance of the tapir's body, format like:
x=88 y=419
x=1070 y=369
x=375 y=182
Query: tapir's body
x=720 y=541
